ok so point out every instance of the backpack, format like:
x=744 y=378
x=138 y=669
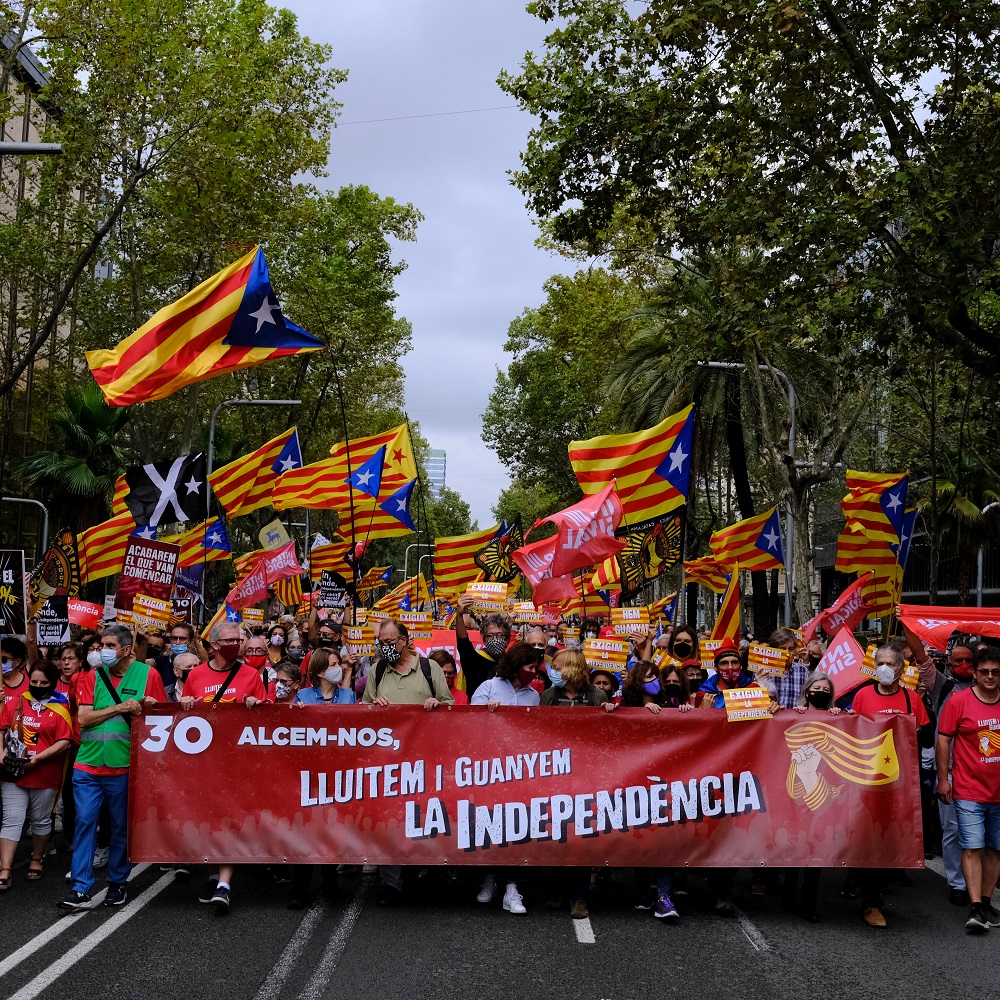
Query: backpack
x=425 y=669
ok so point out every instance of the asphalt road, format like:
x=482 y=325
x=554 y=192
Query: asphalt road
x=442 y=944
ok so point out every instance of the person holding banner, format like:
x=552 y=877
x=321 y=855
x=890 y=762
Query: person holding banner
x=729 y=673
x=110 y=696
x=256 y=654
x=449 y=668
x=970 y=725
x=287 y=682
x=330 y=683
x=41 y=719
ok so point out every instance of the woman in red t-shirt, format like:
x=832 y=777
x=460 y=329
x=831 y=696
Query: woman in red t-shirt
x=42 y=723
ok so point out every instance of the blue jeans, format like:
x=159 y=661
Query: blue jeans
x=978 y=824
x=951 y=850
x=89 y=792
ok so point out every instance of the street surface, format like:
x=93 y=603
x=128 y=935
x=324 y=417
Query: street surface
x=443 y=944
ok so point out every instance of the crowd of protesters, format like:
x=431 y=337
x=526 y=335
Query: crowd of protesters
x=67 y=712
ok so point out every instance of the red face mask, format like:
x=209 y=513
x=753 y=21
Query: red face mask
x=731 y=675
x=526 y=675
x=962 y=671
x=255 y=660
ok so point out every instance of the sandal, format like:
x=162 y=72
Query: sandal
x=34 y=874
x=5 y=882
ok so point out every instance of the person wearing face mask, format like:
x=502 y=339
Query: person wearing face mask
x=729 y=673
x=41 y=719
x=480 y=665
x=295 y=652
x=14 y=656
x=180 y=639
x=643 y=688
x=184 y=663
x=683 y=644
x=607 y=681
x=256 y=654
x=887 y=697
x=516 y=669
x=224 y=679
x=111 y=696
x=277 y=639
x=449 y=668
x=330 y=682
x=287 y=682
x=789 y=684
x=814 y=653
x=401 y=677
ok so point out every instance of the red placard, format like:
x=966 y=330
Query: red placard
x=150 y=567
x=522 y=786
x=444 y=638
x=84 y=613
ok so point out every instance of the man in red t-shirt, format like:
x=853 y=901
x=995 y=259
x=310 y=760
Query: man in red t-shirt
x=224 y=678
x=971 y=719
x=887 y=697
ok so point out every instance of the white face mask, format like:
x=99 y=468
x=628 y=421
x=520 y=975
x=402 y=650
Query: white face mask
x=333 y=674
x=94 y=657
x=885 y=675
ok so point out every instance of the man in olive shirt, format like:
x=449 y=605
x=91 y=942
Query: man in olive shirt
x=401 y=677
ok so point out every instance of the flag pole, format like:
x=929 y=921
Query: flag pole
x=350 y=483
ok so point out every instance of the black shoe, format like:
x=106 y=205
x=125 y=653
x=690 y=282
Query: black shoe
x=978 y=923
x=900 y=878
x=852 y=888
x=646 y=901
x=958 y=897
x=724 y=907
x=208 y=889
x=220 y=899
x=115 y=896
x=74 y=900
x=388 y=896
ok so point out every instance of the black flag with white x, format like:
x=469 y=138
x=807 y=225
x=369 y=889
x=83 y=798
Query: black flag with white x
x=161 y=492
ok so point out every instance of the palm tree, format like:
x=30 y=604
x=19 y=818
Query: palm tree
x=77 y=478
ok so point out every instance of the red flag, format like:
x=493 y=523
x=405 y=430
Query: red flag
x=842 y=663
x=535 y=561
x=279 y=564
x=267 y=568
x=935 y=625
x=849 y=610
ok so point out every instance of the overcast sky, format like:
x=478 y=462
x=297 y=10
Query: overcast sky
x=474 y=266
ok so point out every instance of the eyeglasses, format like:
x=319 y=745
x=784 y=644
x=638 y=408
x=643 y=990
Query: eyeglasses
x=988 y=673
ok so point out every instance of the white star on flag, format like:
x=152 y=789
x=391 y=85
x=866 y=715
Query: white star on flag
x=364 y=478
x=148 y=532
x=193 y=485
x=677 y=458
x=287 y=463
x=772 y=539
x=401 y=505
x=893 y=502
x=215 y=538
x=264 y=313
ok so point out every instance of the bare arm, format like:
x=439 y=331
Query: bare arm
x=943 y=755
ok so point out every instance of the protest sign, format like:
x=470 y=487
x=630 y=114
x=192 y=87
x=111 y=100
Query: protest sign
x=332 y=589
x=52 y=621
x=418 y=623
x=746 y=703
x=149 y=566
x=607 y=654
x=766 y=661
x=12 y=592
x=83 y=613
x=626 y=621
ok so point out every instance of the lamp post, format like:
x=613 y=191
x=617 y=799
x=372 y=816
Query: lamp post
x=30 y=148
x=790 y=393
x=45 y=514
x=406 y=556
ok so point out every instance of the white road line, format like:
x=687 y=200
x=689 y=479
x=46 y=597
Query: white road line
x=297 y=944
x=338 y=942
x=584 y=932
x=47 y=936
x=65 y=963
x=752 y=932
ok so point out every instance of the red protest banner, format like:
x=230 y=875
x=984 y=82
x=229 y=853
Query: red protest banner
x=149 y=566
x=523 y=786
x=84 y=613
x=849 y=610
x=444 y=638
x=844 y=663
x=934 y=625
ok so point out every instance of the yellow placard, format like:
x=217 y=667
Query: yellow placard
x=525 y=613
x=254 y=617
x=766 y=661
x=868 y=663
x=606 y=654
x=626 y=621
x=571 y=632
x=418 y=623
x=360 y=639
x=744 y=704
x=708 y=648
x=910 y=677
x=149 y=613
x=488 y=598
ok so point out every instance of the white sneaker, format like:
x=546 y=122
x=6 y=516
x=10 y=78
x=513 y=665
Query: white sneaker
x=512 y=901
x=488 y=890
x=68 y=877
x=101 y=857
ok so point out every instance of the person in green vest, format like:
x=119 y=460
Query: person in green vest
x=110 y=696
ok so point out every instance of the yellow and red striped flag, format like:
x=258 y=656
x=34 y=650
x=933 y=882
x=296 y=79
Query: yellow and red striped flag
x=754 y=543
x=229 y=322
x=406 y=596
x=330 y=556
x=205 y=542
x=857 y=553
x=651 y=469
x=708 y=572
x=247 y=484
x=875 y=504
x=455 y=557
x=605 y=577
x=288 y=591
x=727 y=623
x=376 y=578
x=101 y=549
x=243 y=563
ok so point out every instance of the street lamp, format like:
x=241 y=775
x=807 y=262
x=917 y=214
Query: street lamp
x=406 y=556
x=45 y=514
x=211 y=432
x=790 y=392
x=30 y=148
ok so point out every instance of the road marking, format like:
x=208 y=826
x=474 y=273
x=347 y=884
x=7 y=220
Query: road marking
x=51 y=933
x=297 y=943
x=338 y=942
x=751 y=932
x=584 y=931
x=64 y=964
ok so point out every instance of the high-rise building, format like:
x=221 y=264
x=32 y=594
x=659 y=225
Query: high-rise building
x=436 y=464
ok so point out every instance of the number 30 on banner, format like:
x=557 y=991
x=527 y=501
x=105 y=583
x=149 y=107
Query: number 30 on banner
x=191 y=735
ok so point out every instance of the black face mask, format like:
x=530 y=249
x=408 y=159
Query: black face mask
x=814 y=661
x=819 y=699
x=40 y=691
x=324 y=640
x=683 y=649
x=296 y=655
x=673 y=694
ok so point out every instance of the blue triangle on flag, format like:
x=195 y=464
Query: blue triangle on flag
x=398 y=505
x=387 y=575
x=675 y=466
x=216 y=537
x=148 y=532
x=769 y=540
x=367 y=477
x=290 y=456
x=404 y=604
x=233 y=614
x=258 y=321
x=893 y=503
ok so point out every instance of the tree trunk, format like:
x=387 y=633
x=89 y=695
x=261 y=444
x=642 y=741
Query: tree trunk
x=762 y=619
x=802 y=557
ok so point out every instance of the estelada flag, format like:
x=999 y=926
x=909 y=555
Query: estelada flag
x=875 y=504
x=652 y=468
x=231 y=321
x=727 y=624
x=205 y=542
x=708 y=572
x=754 y=543
x=247 y=483
x=455 y=557
x=849 y=610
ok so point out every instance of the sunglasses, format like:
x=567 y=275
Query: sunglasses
x=989 y=673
